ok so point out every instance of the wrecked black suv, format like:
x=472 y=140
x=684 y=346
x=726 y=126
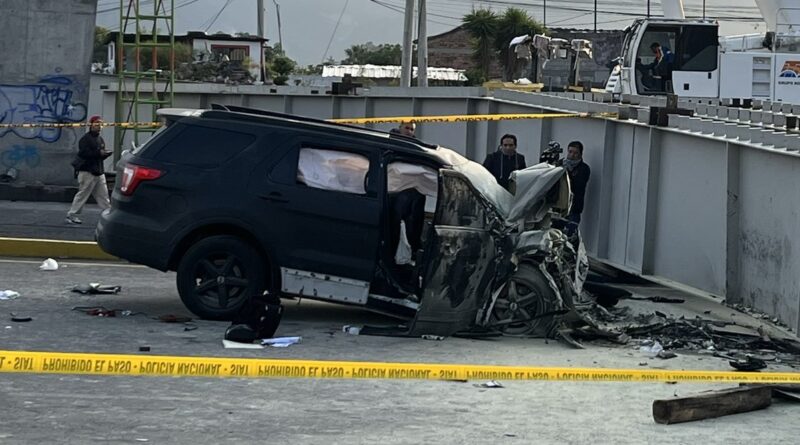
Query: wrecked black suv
x=239 y=201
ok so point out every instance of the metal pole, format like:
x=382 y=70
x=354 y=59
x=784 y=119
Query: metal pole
x=422 y=45
x=595 y=15
x=278 y=16
x=260 y=18
x=704 y=9
x=408 y=25
x=544 y=14
x=648 y=9
x=261 y=32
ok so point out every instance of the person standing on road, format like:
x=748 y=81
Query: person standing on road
x=89 y=171
x=579 y=173
x=505 y=160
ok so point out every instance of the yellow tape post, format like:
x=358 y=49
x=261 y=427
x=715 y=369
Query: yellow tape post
x=154 y=365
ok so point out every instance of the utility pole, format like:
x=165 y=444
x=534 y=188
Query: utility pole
x=278 y=16
x=704 y=9
x=260 y=15
x=422 y=45
x=408 y=54
x=260 y=31
x=595 y=15
x=648 y=9
x=544 y=14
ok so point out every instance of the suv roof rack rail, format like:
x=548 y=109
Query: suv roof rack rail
x=261 y=112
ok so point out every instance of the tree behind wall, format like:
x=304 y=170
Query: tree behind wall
x=371 y=54
x=100 y=51
x=282 y=66
x=482 y=28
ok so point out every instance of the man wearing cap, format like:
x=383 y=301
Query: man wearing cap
x=89 y=170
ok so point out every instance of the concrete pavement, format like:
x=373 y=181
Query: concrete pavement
x=122 y=409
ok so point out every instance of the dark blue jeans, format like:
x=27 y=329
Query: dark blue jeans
x=572 y=226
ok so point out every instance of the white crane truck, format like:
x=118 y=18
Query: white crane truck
x=697 y=62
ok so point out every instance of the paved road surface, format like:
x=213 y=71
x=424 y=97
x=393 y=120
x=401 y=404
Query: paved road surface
x=117 y=409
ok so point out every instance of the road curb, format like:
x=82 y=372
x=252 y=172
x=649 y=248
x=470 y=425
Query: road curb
x=48 y=248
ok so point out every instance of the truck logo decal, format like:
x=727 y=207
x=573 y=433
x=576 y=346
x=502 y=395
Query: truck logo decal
x=791 y=68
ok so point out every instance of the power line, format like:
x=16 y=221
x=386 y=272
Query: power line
x=333 y=34
x=219 y=13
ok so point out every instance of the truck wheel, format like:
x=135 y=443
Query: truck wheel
x=218 y=274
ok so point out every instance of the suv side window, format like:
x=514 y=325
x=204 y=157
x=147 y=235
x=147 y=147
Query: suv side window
x=204 y=147
x=327 y=167
x=334 y=170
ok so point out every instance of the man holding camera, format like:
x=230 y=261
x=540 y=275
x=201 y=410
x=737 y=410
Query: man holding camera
x=579 y=174
x=505 y=160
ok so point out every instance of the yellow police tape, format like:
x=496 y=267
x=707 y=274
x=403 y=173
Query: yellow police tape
x=457 y=118
x=82 y=124
x=154 y=365
x=365 y=120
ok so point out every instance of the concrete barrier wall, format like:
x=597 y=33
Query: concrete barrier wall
x=44 y=77
x=765 y=208
x=703 y=211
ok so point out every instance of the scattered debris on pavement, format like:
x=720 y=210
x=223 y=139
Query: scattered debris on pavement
x=169 y=318
x=281 y=342
x=432 y=337
x=228 y=344
x=755 y=313
x=658 y=332
x=96 y=288
x=100 y=311
x=657 y=299
x=352 y=330
x=489 y=384
x=749 y=364
x=49 y=265
x=8 y=294
x=651 y=348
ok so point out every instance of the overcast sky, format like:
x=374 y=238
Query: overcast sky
x=309 y=26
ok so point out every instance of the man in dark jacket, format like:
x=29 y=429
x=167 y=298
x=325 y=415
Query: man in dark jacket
x=88 y=166
x=505 y=160
x=579 y=174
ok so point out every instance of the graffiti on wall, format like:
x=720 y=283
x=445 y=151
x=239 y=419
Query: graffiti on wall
x=19 y=156
x=49 y=101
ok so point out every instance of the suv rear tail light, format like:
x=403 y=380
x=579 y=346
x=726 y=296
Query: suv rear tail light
x=133 y=175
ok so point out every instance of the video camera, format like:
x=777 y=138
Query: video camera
x=552 y=154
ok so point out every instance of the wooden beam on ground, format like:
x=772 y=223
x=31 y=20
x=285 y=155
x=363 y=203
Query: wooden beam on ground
x=712 y=404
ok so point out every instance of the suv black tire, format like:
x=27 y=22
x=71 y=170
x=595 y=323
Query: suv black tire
x=220 y=266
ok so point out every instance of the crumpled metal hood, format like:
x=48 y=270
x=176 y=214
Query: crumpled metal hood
x=531 y=186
